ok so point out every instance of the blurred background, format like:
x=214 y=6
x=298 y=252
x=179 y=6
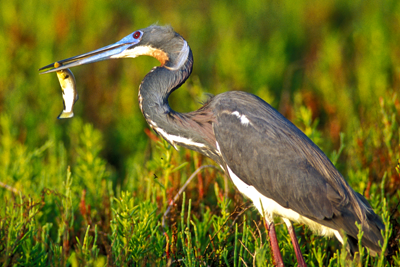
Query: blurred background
x=339 y=59
x=331 y=67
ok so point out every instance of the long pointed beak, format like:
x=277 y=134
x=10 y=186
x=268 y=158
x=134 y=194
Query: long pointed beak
x=111 y=51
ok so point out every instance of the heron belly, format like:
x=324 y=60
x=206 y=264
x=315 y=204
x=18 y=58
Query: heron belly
x=271 y=208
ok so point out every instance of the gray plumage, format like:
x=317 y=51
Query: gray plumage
x=262 y=151
x=283 y=164
x=270 y=153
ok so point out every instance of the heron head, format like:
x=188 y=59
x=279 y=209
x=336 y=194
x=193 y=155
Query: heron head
x=162 y=43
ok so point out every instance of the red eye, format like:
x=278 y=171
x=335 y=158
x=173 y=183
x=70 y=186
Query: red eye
x=136 y=35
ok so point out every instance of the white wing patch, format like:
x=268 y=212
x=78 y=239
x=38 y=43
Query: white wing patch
x=174 y=138
x=218 y=149
x=243 y=119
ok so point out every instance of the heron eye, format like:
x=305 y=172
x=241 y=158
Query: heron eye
x=136 y=35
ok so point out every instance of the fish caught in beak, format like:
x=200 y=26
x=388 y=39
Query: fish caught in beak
x=69 y=92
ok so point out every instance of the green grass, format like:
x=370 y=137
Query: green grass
x=93 y=190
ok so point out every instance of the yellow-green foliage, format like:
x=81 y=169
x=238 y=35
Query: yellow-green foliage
x=92 y=190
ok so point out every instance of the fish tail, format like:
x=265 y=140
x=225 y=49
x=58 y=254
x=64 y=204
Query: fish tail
x=65 y=115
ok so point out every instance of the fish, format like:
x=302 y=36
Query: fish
x=69 y=92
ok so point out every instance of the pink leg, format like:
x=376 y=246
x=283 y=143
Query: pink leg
x=273 y=241
x=299 y=256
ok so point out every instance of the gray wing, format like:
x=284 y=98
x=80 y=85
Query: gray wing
x=271 y=154
x=267 y=151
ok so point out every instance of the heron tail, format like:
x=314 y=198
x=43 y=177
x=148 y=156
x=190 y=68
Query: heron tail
x=372 y=226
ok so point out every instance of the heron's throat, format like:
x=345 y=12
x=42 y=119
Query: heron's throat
x=158 y=54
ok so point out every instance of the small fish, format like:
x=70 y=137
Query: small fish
x=69 y=93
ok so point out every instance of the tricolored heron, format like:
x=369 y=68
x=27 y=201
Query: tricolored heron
x=267 y=157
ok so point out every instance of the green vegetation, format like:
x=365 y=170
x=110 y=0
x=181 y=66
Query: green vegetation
x=93 y=190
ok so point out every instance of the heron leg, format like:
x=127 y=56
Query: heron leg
x=299 y=256
x=273 y=241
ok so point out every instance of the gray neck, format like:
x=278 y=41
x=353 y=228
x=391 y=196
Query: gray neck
x=192 y=130
x=156 y=87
